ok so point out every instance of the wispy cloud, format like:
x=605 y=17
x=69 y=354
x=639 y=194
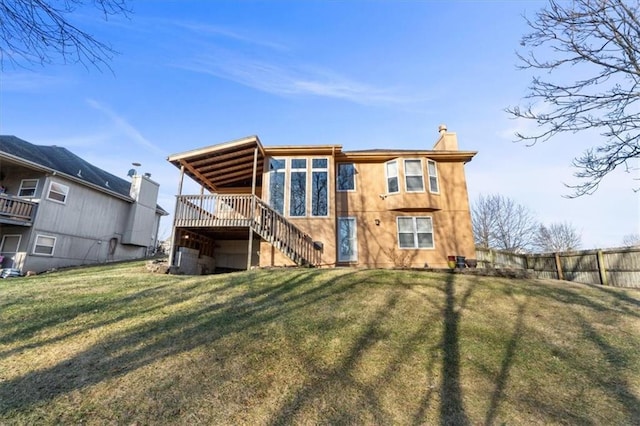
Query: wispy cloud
x=295 y=80
x=126 y=128
x=203 y=30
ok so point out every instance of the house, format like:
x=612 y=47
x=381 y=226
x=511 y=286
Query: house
x=322 y=206
x=58 y=210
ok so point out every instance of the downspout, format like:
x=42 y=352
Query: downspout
x=253 y=206
x=172 y=250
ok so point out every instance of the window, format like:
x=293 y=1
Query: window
x=58 y=192
x=346 y=177
x=44 y=245
x=413 y=175
x=415 y=232
x=347 y=240
x=276 y=184
x=319 y=190
x=433 y=176
x=298 y=193
x=392 y=177
x=28 y=188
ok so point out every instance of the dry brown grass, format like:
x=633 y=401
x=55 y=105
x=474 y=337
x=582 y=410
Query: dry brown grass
x=115 y=345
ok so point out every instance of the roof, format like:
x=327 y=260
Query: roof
x=225 y=165
x=230 y=164
x=61 y=160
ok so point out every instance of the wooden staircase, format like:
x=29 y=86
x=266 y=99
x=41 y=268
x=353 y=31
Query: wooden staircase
x=233 y=211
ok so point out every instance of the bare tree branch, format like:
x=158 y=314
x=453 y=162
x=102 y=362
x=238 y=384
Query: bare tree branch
x=41 y=32
x=600 y=39
x=557 y=237
x=499 y=222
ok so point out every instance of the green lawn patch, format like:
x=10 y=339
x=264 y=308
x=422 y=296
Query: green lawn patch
x=117 y=345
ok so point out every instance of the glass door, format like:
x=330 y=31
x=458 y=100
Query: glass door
x=347 y=240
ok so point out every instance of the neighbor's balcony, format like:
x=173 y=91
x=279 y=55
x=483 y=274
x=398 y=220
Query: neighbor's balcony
x=16 y=211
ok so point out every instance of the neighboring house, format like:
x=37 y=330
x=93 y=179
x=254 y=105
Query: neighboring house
x=58 y=210
x=322 y=206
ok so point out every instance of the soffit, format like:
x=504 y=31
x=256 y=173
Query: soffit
x=386 y=155
x=224 y=165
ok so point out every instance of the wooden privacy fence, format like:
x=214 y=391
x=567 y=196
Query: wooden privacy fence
x=618 y=267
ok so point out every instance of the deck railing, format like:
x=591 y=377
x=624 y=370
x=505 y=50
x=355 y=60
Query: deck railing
x=223 y=211
x=16 y=209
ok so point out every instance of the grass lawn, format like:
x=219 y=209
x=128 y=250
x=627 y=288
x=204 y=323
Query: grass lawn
x=117 y=345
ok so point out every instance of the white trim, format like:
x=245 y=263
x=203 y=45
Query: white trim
x=35 y=244
x=35 y=188
x=338 y=176
x=270 y=174
x=415 y=233
x=435 y=175
x=50 y=190
x=2 y=248
x=406 y=175
x=397 y=176
x=320 y=170
x=354 y=239
x=291 y=171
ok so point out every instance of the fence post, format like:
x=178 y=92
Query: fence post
x=601 y=269
x=558 y=266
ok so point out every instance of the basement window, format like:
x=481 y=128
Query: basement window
x=44 y=245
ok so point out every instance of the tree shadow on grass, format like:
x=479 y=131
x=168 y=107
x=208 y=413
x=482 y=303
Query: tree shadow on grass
x=507 y=361
x=171 y=335
x=452 y=411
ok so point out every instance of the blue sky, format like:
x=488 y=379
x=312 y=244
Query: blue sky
x=364 y=74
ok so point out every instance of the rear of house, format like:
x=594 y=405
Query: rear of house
x=322 y=206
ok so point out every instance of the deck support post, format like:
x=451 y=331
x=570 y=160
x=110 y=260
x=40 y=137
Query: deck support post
x=172 y=249
x=252 y=213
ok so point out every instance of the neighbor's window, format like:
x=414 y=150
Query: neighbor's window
x=433 y=176
x=28 y=188
x=276 y=184
x=346 y=177
x=319 y=187
x=58 y=192
x=298 y=193
x=44 y=245
x=413 y=175
x=392 y=176
x=415 y=232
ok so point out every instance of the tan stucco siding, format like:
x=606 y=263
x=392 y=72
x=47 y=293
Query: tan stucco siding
x=376 y=214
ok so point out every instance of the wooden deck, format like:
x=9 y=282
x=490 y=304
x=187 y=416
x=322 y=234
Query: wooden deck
x=233 y=211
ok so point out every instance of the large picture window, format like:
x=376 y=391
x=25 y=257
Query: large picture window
x=58 y=192
x=346 y=177
x=28 y=188
x=414 y=181
x=44 y=245
x=319 y=187
x=276 y=184
x=392 y=177
x=299 y=186
x=433 y=176
x=415 y=232
x=298 y=193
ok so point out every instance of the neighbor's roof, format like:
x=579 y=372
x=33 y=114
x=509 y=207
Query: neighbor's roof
x=61 y=160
